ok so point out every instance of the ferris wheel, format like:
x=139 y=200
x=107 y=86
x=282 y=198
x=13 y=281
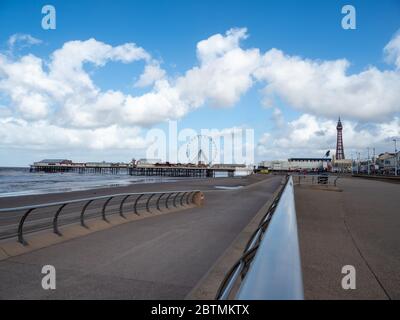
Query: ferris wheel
x=201 y=149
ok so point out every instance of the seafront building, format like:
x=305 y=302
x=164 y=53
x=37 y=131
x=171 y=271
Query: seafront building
x=341 y=165
x=387 y=162
x=53 y=162
x=297 y=164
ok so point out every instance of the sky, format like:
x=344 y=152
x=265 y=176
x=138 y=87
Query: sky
x=111 y=72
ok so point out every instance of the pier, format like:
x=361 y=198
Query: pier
x=181 y=171
x=161 y=170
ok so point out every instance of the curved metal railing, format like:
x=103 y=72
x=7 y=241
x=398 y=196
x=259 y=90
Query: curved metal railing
x=270 y=266
x=13 y=220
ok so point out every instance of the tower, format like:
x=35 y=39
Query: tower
x=339 y=141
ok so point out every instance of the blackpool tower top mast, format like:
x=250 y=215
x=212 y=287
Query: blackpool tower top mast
x=339 y=141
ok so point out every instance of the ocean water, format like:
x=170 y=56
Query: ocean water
x=19 y=181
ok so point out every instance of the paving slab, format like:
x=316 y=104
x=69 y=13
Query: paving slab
x=358 y=226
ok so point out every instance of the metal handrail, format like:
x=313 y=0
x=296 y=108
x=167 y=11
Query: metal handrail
x=86 y=203
x=270 y=266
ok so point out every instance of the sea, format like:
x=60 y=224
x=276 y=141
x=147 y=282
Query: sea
x=20 y=181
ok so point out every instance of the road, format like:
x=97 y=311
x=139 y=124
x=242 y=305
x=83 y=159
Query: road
x=359 y=227
x=162 y=257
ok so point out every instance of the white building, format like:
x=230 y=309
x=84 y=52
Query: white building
x=309 y=164
x=387 y=162
x=148 y=161
x=275 y=165
x=53 y=162
x=297 y=164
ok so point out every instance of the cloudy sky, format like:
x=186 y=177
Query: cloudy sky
x=91 y=89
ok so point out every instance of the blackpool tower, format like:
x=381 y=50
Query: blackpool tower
x=339 y=141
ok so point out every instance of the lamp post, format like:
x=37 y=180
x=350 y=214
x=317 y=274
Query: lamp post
x=395 y=157
x=374 y=160
x=368 y=161
x=352 y=163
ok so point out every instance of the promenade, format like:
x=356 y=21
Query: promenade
x=160 y=257
x=168 y=256
x=358 y=226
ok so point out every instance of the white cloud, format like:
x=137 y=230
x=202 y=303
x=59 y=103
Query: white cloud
x=224 y=74
x=392 y=50
x=23 y=40
x=278 y=118
x=162 y=103
x=311 y=136
x=66 y=95
x=57 y=104
x=42 y=135
x=58 y=95
x=324 y=88
x=218 y=45
x=152 y=73
x=66 y=65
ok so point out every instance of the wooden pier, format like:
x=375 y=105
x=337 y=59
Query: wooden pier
x=160 y=171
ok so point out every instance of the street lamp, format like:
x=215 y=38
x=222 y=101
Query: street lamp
x=395 y=157
x=368 y=161
x=352 y=163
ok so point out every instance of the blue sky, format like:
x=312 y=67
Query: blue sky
x=169 y=31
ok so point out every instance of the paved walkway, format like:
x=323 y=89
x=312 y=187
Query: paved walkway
x=162 y=257
x=359 y=226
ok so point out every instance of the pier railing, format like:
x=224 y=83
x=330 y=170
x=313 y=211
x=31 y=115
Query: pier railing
x=17 y=221
x=270 y=266
x=315 y=179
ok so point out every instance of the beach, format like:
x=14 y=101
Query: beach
x=176 y=184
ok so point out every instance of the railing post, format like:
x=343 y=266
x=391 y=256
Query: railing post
x=55 y=220
x=336 y=180
x=148 y=201
x=21 y=226
x=103 y=211
x=136 y=202
x=194 y=193
x=166 y=200
x=174 y=201
x=181 y=201
x=158 y=201
x=122 y=204
x=83 y=212
x=187 y=197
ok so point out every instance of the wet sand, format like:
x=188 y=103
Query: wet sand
x=180 y=184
